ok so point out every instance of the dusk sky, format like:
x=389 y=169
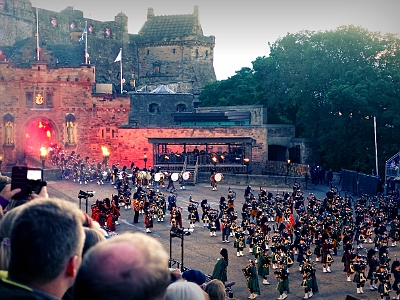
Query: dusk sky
x=244 y=28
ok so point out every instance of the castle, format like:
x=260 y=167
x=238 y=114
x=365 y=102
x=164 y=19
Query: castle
x=167 y=50
x=53 y=93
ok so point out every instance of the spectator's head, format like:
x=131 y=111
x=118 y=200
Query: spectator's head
x=92 y=237
x=216 y=290
x=184 y=290
x=46 y=245
x=195 y=276
x=131 y=264
x=5 y=232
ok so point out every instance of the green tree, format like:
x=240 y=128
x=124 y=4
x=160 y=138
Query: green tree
x=330 y=85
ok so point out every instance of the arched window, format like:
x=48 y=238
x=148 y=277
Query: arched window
x=9 y=129
x=70 y=128
x=181 y=107
x=154 y=108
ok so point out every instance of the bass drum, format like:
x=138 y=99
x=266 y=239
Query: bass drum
x=175 y=176
x=186 y=175
x=157 y=177
x=148 y=176
x=219 y=177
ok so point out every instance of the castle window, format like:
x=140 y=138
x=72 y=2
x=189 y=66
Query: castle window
x=206 y=53
x=173 y=51
x=9 y=129
x=148 y=52
x=154 y=108
x=157 y=70
x=181 y=107
x=29 y=99
x=49 y=100
x=197 y=53
x=70 y=128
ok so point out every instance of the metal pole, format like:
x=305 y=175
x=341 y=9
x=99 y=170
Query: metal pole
x=183 y=234
x=37 y=34
x=86 y=34
x=120 y=63
x=376 y=148
x=170 y=248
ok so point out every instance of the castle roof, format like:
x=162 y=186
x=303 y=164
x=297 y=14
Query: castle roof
x=158 y=28
x=162 y=89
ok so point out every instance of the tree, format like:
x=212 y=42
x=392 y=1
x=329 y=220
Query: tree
x=330 y=85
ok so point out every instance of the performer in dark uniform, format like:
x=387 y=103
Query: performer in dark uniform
x=327 y=259
x=193 y=213
x=220 y=271
x=250 y=273
x=384 y=286
x=239 y=241
x=309 y=282
x=148 y=216
x=282 y=276
x=359 y=273
x=396 y=274
x=264 y=263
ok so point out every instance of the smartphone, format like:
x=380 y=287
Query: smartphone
x=29 y=180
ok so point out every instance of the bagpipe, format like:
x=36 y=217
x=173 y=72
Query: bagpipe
x=247 y=272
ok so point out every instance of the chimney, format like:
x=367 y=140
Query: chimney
x=196 y=11
x=150 y=13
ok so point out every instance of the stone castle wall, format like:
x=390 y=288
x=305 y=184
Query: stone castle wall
x=185 y=59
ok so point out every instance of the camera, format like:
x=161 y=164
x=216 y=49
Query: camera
x=84 y=195
x=29 y=180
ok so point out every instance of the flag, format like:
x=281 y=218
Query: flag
x=119 y=57
x=83 y=34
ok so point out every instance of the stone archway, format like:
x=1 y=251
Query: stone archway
x=38 y=132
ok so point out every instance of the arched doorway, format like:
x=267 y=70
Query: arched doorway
x=39 y=132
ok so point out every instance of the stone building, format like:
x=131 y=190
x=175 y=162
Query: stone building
x=167 y=49
x=54 y=98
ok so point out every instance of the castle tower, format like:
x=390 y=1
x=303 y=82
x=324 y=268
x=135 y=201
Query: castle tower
x=173 y=49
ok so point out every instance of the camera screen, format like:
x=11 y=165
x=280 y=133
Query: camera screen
x=34 y=175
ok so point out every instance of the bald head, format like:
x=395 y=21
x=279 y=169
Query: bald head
x=129 y=266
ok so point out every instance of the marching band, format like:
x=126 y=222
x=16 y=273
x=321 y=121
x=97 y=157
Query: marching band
x=277 y=230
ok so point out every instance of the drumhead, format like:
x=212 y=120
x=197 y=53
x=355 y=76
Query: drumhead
x=186 y=175
x=218 y=177
x=148 y=176
x=175 y=176
x=105 y=173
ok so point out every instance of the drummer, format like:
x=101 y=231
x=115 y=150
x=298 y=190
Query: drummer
x=214 y=183
x=181 y=181
x=170 y=183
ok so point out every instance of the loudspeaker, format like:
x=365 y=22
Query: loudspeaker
x=351 y=298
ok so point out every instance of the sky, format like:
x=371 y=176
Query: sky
x=243 y=28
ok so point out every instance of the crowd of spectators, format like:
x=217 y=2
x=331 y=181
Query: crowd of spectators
x=49 y=249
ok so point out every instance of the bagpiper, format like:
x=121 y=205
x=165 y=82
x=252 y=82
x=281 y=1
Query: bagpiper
x=264 y=263
x=251 y=275
x=239 y=241
x=309 y=282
